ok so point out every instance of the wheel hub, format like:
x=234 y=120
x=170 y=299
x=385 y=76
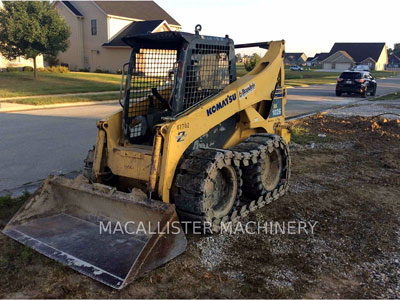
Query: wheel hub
x=271 y=170
x=224 y=191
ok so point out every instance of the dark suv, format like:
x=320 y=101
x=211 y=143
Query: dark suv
x=359 y=82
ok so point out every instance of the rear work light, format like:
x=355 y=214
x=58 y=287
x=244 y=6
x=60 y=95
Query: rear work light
x=360 y=80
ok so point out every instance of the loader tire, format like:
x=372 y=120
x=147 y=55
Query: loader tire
x=207 y=187
x=271 y=171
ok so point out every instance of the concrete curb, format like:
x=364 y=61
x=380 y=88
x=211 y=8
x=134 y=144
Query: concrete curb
x=23 y=107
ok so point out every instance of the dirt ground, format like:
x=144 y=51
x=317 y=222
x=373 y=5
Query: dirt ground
x=345 y=176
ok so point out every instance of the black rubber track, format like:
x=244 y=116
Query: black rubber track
x=193 y=179
x=253 y=187
x=192 y=176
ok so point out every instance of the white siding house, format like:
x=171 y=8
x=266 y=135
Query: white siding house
x=96 y=28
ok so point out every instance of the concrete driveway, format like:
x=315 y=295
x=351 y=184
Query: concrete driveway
x=34 y=144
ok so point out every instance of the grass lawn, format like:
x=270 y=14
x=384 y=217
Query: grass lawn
x=392 y=96
x=14 y=84
x=299 y=78
x=9 y=206
x=65 y=99
x=310 y=77
x=240 y=70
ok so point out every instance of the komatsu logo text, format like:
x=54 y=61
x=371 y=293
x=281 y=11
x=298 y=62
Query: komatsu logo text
x=229 y=99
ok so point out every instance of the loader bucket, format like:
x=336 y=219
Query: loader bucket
x=110 y=236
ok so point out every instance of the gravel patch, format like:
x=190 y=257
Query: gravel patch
x=281 y=278
x=368 y=109
x=331 y=146
x=235 y=275
x=213 y=250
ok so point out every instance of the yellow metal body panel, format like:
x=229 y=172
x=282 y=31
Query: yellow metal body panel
x=132 y=161
x=246 y=96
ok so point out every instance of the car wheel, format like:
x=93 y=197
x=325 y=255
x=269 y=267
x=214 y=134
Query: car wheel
x=338 y=94
x=373 y=93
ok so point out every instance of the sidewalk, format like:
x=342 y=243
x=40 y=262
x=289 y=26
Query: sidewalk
x=59 y=95
x=6 y=107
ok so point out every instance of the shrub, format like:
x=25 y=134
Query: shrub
x=119 y=71
x=101 y=71
x=51 y=60
x=84 y=70
x=250 y=64
x=12 y=69
x=27 y=69
x=54 y=69
x=59 y=69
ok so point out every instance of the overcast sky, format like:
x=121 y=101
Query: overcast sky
x=308 y=26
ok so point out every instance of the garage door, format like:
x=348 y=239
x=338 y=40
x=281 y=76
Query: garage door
x=327 y=66
x=342 y=66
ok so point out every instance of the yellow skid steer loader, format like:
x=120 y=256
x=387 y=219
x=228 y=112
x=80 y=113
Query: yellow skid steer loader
x=191 y=140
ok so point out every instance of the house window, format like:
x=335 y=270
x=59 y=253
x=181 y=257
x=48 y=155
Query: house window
x=93 y=24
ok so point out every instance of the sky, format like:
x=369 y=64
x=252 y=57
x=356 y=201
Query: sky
x=308 y=26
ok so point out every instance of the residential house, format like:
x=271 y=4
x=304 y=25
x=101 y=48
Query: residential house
x=316 y=60
x=309 y=61
x=393 y=63
x=295 y=59
x=246 y=58
x=344 y=56
x=19 y=62
x=97 y=29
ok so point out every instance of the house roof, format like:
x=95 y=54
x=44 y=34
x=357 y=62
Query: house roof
x=394 y=59
x=369 y=58
x=346 y=54
x=321 y=56
x=293 y=55
x=142 y=10
x=360 y=51
x=334 y=56
x=136 y=28
x=72 y=8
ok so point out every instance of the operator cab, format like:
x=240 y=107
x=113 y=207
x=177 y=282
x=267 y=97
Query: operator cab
x=170 y=72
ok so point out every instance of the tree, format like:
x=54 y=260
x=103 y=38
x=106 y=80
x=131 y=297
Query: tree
x=31 y=28
x=252 y=62
x=396 y=50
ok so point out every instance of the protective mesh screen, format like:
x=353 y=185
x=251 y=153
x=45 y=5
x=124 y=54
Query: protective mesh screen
x=153 y=73
x=207 y=74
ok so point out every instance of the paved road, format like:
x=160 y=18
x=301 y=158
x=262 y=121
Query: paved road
x=302 y=100
x=34 y=144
